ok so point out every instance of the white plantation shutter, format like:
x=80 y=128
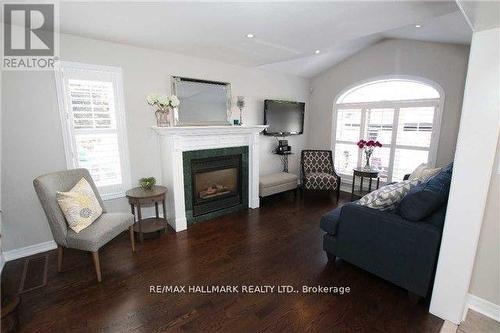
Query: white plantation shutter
x=92 y=104
x=402 y=115
x=99 y=153
x=93 y=120
x=414 y=139
x=347 y=135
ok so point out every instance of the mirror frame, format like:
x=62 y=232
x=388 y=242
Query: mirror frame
x=176 y=79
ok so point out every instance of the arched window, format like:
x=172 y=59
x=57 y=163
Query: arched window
x=402 y=114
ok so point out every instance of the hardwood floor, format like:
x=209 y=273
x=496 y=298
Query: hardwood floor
x=476 y=322
x=278 y=244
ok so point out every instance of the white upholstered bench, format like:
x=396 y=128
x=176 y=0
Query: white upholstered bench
x=276 y=183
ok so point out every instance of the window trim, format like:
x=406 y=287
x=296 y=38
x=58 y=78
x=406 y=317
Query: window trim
x=68 y=133
x=437 y=103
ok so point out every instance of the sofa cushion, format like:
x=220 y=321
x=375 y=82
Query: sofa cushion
x=388 y=197
x=423 y=172
x=330 y=220
x=437 y=218
x=442 y=181
x=426 y=198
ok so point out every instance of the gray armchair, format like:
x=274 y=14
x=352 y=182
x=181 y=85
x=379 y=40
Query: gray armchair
x=92 y=238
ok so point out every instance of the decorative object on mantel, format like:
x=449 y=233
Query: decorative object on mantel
x=240 y=103
x=147 y=183
x=368 y=147
x=165 y=106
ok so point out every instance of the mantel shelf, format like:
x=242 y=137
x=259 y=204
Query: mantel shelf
x=208 y=130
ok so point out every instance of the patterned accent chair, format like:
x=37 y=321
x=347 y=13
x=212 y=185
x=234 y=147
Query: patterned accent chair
x=318 y=172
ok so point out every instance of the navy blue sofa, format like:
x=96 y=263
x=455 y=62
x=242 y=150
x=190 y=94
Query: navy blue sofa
x=401 y=246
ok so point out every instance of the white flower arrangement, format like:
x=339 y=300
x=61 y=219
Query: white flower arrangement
x=162 y=102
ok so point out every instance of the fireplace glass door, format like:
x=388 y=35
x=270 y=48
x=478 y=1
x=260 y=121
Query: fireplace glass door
x=216 y=183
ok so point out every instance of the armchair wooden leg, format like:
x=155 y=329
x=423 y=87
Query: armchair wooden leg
x=59 y=258
x=97 y=265
x=132 y=238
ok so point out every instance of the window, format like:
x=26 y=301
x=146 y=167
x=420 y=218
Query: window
x=93 y=119
x=404 y=115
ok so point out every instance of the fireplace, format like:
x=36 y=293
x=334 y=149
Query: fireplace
x=215 y=182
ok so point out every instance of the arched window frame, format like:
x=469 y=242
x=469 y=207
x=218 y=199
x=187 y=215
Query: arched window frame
x=438 y=103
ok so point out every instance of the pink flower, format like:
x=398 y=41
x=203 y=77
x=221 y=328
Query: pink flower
x=363 y=144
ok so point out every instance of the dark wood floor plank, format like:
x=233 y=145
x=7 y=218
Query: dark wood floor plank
x=280 y=243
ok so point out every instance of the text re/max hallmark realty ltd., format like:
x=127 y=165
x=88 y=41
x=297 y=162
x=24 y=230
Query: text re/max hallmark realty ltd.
x=247 y=289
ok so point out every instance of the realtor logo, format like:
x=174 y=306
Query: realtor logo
x=29 y=36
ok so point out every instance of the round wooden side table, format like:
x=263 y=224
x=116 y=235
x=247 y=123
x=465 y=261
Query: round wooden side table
x=363 y=173
x=138 y=197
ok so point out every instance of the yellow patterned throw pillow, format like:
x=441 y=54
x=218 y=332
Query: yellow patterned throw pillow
x=80 y=205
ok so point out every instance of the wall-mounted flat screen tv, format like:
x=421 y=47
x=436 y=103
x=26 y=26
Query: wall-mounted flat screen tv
x=283 y=117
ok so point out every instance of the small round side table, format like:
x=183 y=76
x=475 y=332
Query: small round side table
x=138 y=197
x=363 y=173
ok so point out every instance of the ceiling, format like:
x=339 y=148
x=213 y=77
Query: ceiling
x=482 y=15
x=286 y=33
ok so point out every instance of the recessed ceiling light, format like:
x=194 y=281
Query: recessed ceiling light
x=250 y=36
x=418 y=26
x=317 y=51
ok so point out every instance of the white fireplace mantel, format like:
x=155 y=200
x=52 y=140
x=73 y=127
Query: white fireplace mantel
x=175 y=140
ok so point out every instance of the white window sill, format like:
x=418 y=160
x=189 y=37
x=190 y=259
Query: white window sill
x=112 y=196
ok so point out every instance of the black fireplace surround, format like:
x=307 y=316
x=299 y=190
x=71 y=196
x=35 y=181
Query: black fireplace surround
x=215 y=182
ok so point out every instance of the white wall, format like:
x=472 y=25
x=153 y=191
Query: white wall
x=445 y=64
x=485 y=282
x=476 y=145
x=31 y=131
x=2 y=259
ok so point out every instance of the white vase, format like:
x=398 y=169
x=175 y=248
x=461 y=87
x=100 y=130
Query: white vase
x=163 y=117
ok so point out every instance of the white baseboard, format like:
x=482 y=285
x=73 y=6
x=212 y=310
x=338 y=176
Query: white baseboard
x=344 y=187
x=482 y=306
x=29 y=250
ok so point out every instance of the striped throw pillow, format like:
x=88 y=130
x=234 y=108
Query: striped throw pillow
x=388 y=197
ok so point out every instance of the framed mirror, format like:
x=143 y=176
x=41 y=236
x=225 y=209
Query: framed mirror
x=202 y=102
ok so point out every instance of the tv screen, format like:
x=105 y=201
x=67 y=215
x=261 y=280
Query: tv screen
x=283 y=117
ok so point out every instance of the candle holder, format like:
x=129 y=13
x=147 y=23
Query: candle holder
x=240 y=103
